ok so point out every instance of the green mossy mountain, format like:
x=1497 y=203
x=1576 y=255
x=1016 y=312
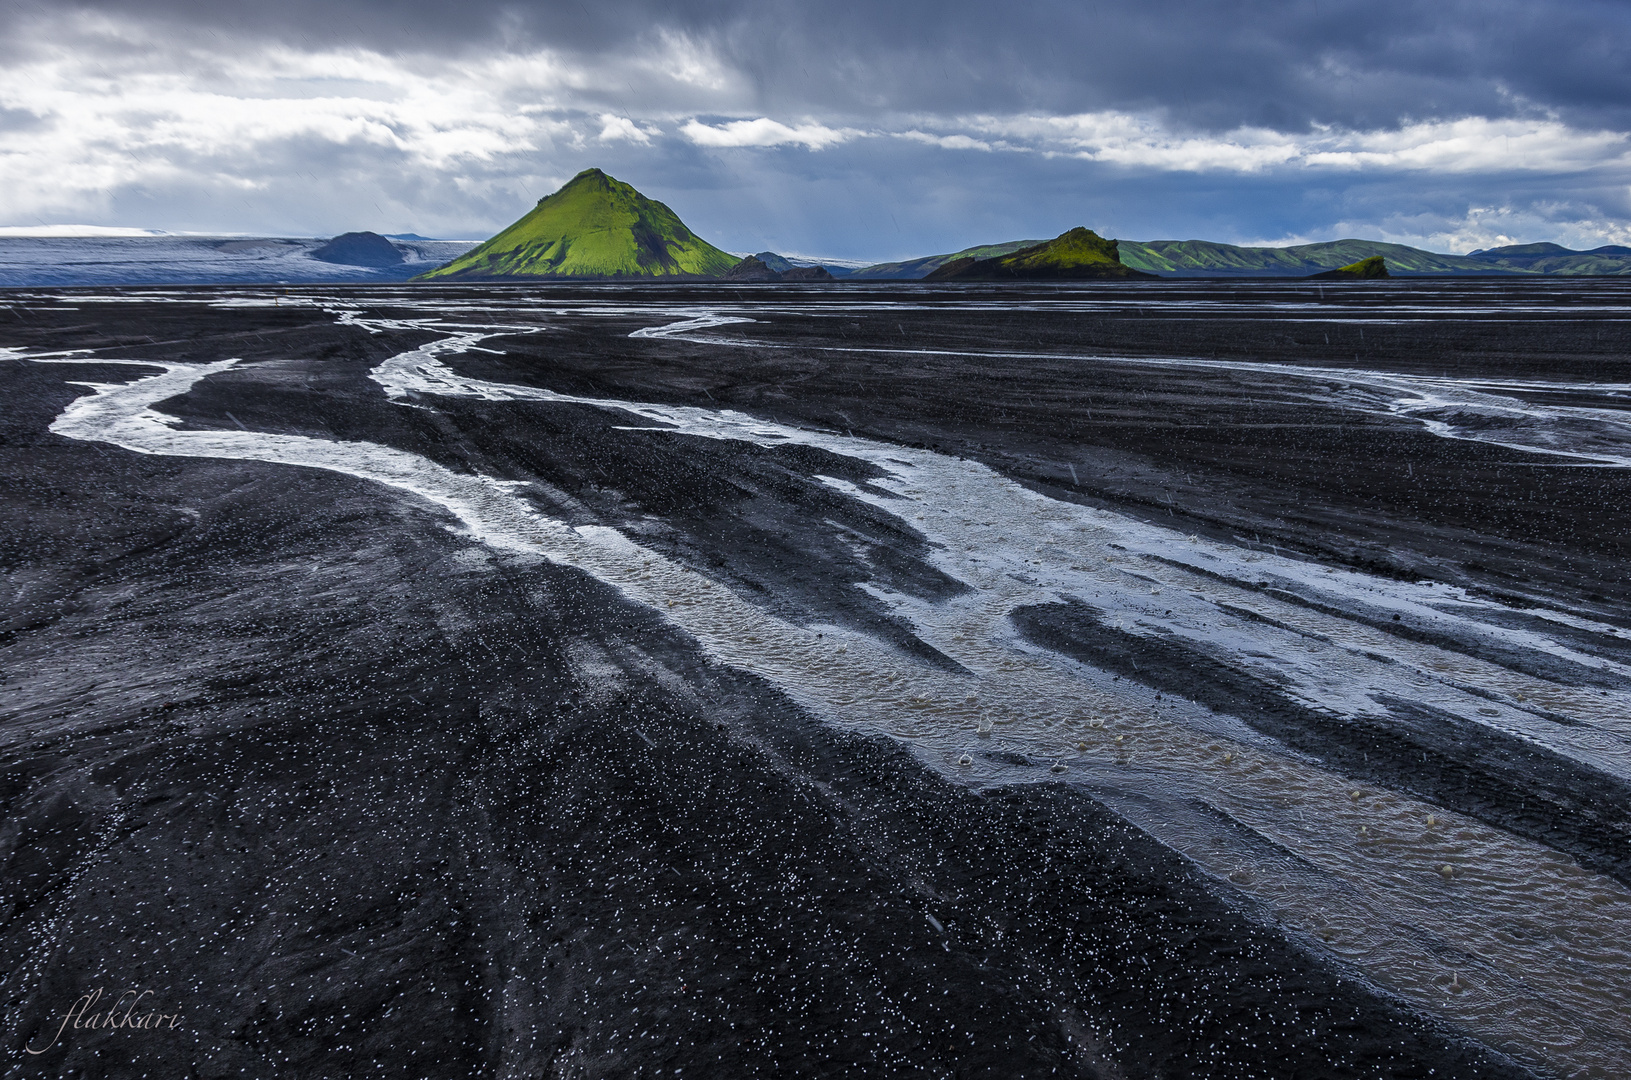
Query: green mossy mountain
x=593 y=227
x=1203 y=258
x=1364 y=270
x=1613 y=259
x=1080 y=254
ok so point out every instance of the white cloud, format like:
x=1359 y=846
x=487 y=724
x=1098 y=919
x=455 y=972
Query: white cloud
x=614 y=128
x=685 y=59
x=766 y=132
x=103 y=130
x=116 y=112
x=1573 y=225
x=1475 y=144
x=1471 y=145
x=946 y=142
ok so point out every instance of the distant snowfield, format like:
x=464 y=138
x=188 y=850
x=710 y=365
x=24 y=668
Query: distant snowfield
x=46 y=255
x=800 y=259
x=79 y=230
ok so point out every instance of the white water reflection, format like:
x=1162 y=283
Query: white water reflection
x=1538 y=416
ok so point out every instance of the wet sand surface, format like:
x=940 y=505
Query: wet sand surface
x=1152 y=680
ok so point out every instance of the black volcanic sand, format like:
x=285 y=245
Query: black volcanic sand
x=356 y=796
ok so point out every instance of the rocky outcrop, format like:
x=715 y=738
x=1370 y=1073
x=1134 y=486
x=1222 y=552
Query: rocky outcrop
x=359 y=249
x=751 y=269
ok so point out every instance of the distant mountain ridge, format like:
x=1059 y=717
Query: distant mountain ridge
x=795 y=268
x=1206 y=258
x=1557 y=259
x=594 y=227
x=35 y=261
x=767 y=266
x=915 y=269
x=1202 y=258
x=598 y=228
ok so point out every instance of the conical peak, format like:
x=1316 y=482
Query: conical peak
x=595 y=226
x=592 y=178
x=596 y=178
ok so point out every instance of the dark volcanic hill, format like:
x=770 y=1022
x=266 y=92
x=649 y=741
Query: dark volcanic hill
x=773 y=261
x=804 y=267
x=359 y=249
x=593 y=227
x=1079 y=254
x=806 y=273
x=754 y=269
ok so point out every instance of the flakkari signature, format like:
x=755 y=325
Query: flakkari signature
x=122 y=1015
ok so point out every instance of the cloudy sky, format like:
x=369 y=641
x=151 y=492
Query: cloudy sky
x=859 y=130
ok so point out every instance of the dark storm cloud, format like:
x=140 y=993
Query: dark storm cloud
x=838 y=128
x=1209 y=65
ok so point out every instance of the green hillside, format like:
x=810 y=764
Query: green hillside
x=1583 y=264
x=1203 y=258
x=593 y=227
x=913 y=269
x=1556 y=259
x=1364 y=270
x=1080 y=254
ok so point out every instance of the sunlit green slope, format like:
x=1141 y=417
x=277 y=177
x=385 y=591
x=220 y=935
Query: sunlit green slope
x=1363 y=270
x=1184 y=258
x=593 y=227
x=1074 y=255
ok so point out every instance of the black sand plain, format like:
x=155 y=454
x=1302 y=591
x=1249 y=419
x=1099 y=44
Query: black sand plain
x=353 y=797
